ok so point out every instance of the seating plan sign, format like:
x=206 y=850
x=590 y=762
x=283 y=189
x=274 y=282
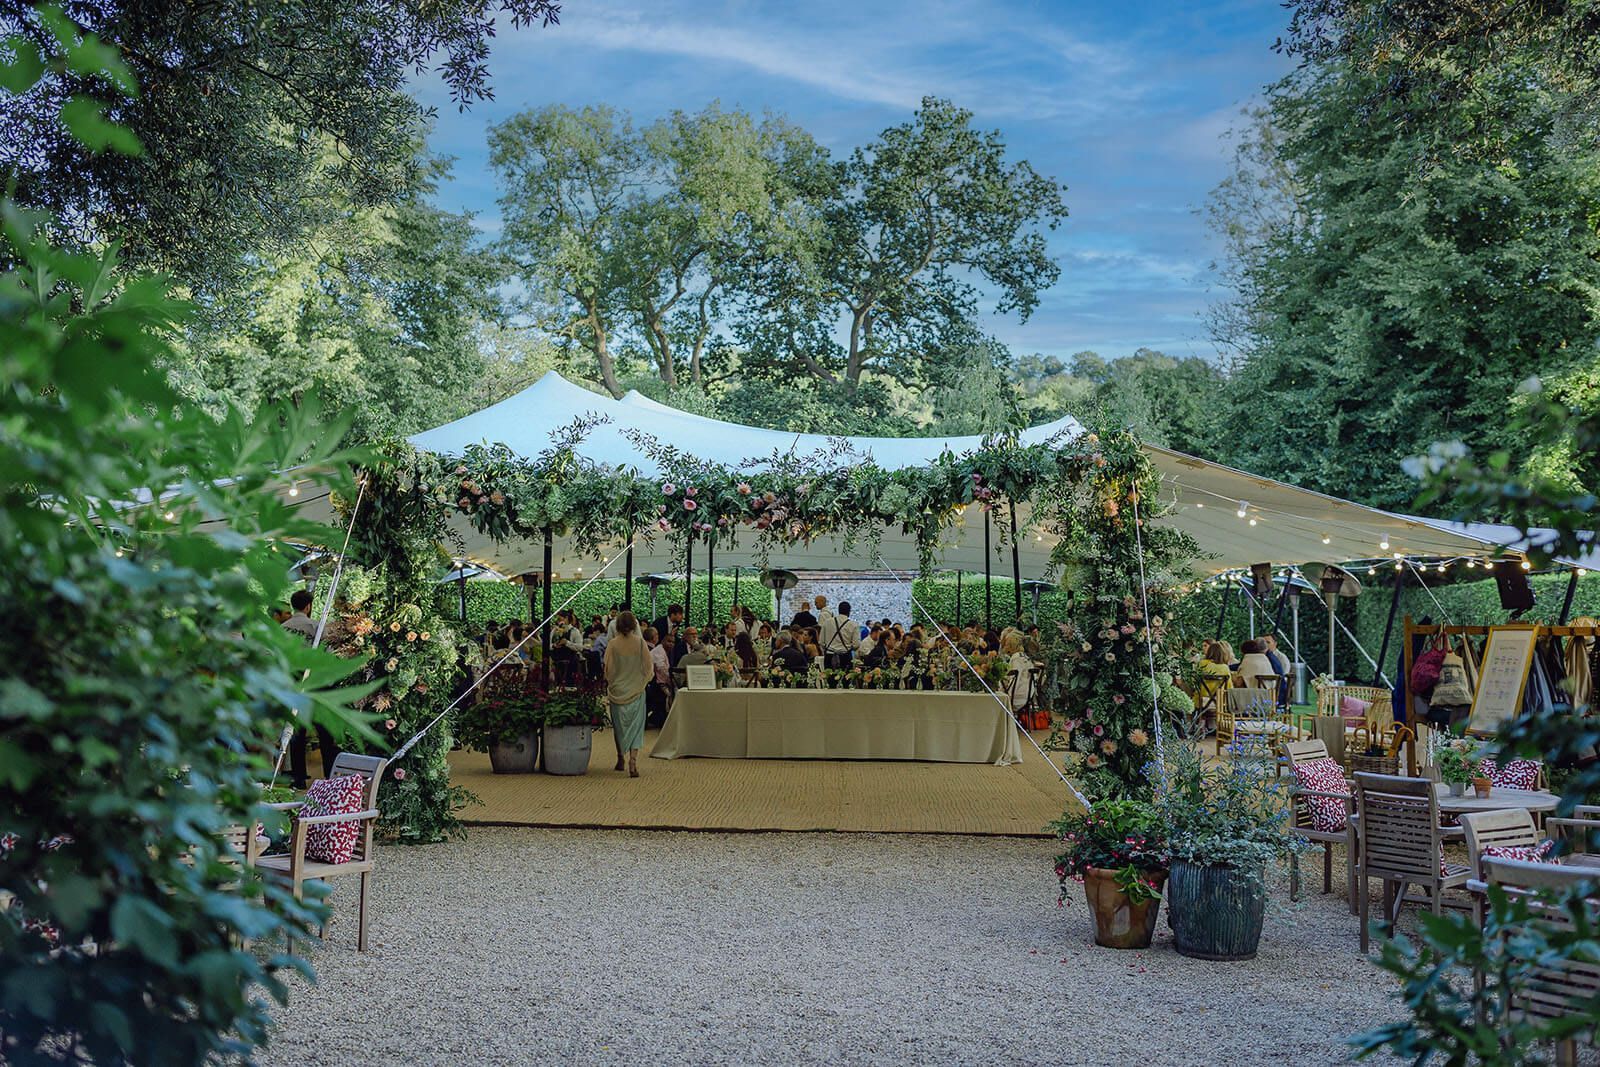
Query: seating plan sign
x=700 y=676
x=1501 y=678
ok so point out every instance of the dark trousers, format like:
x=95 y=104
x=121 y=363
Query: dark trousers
x=655 y=704
x=297 y=754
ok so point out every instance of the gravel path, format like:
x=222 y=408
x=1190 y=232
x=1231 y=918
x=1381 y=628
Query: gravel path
x=587 y=947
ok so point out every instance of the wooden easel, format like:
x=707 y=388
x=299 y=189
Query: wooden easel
x=1412 y=629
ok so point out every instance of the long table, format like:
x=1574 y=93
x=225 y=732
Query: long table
x=838 y=724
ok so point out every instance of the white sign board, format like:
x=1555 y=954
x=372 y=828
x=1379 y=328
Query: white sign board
x=1501 y=678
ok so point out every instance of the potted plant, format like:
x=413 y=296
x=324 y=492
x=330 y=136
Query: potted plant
x=504 y=722
x=1225 y=822
x=1457 y=760
x=1117 y=850
x=570 y=717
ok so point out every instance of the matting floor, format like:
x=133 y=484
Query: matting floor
x=728 y=794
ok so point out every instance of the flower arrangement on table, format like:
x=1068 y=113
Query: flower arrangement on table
x=1123 y=836
x=1458 y=761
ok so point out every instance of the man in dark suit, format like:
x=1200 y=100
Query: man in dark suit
x=669 y=623
x=790 y=658
x=803 y=619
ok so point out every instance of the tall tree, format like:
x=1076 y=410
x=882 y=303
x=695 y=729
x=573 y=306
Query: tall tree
x=236 y=101
x=1447 y=249
x=631 y=240
x=917 y=221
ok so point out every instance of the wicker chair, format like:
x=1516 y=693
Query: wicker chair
x=296 y=869
x=1401 y=843
x=1250 y=713
x=1510 y=828
x=1560 y=988
x=1297 y=752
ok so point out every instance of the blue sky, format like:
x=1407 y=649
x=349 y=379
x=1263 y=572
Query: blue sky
x=1127 y=103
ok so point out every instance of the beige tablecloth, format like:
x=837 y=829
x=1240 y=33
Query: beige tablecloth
x=839 y=724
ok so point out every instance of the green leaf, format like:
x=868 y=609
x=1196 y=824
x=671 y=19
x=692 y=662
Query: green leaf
x=22 y=69
x=86 y=119
x=139 y=922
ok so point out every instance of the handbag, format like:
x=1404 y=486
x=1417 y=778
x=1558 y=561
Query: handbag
x=1452 y=689
x=1425 y=670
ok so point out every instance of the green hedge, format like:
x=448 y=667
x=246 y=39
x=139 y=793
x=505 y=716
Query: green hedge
x=938 y=596
x=502 y=601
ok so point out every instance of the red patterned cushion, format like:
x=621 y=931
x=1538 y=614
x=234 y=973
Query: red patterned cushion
x=334 y=842
x=1518 y=774
x=1539 y=853
x=1323 y=775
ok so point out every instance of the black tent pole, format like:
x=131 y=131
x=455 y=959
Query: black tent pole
x=544 y=631
x=1388 y=627
x=1222 y=613
x=1016 y=562
x=1566 y=605
x=688 y=578
x=711 y=583
x=627 y=581
x=988 y=590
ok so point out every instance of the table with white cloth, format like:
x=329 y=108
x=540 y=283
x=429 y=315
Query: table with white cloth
x=839 y=724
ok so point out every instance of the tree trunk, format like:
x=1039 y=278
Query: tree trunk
x=602 y=355
x=852 y=370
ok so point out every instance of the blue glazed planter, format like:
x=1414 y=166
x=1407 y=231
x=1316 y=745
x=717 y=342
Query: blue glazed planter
x=1216 y=912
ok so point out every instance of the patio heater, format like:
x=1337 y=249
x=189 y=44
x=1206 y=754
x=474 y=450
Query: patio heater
x=1036 y=587
x=778 y=581
x=654 y=581
x=1335 y=582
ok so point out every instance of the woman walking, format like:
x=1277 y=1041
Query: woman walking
x=628 y=669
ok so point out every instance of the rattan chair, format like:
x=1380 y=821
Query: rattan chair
x=1510 y=828
x=1400 y=843
x=1300 y=752
x=1250 y=713
x=1561 y=987
x=296 y=869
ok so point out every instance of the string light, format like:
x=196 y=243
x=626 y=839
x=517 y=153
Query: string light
x=1527 y=566
x=170 y=516
x=1252 y=522
x=1471 y=564
x=119 y=553
x=1327 y=540
x=1384 y=544
x=1397 y=555
x=294 y=489
x=1372 y=570
x=1580 y=572
x=1199 y=504
x=1397 y=566
x=1441 y=568
x=1244 y=505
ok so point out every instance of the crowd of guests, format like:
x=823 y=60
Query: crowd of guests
x=818 y=634
x=1258 y=665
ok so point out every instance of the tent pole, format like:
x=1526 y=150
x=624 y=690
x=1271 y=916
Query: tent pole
x=1222 y=613
x=1388 y=627
x=711 y=583
x=544 y=631
x=688 y=578
x=627 y=582
x=1016 y=562
x=461 y=584
x=1572 y=590
x=736 y=585
x=1333 y=598
x=988 y=589
x=958 y=598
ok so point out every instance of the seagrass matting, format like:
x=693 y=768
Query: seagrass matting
x=804 y=795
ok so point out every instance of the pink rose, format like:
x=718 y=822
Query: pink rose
x=1117 y=698
x=399 y=774
x=689 y=505
x=1098 y=730
x=689 y=491
x=667 y=488
x=744 y=488
x=390 y=724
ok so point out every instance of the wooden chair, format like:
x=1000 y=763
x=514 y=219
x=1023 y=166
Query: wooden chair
x=1581 y=832
x=1245 y=713
x=296 y=869
x=1297 y=752
x=1560 y=987
x=1401 y=844
x=1512 y=827
x=243 y=841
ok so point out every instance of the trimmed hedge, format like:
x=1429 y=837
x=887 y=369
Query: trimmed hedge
x=938 y=596
x=503 y=601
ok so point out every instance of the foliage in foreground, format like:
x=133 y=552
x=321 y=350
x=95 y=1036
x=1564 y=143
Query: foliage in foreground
x=144 y=682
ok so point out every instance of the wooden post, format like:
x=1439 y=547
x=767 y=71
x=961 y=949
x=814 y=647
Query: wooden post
x=711 y=583
x=1388 y=627
x=544 y=633
x=1016 y=561
x=627 y=582
x=988 y=589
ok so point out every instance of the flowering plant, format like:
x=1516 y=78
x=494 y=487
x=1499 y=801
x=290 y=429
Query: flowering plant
x=1458 y=760
x=1235 y=813
x=1120 y=835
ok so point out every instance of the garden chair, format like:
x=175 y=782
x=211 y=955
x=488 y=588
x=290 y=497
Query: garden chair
x=296 y=869
x=1562 y=987
x=1299 y=752
x=1511 y=828
x=244 y=842
x=1249 y=713
x=1582 y=830
x=1401 y=843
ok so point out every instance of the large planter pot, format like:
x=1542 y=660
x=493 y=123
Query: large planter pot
x=1216 y=912
x=515 y=755
x=566 y=749
x=1118 y=922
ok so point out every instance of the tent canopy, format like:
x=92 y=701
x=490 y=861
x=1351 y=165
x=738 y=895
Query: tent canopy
x=1238 y=518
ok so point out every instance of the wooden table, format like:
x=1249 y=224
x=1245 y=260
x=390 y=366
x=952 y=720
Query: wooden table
x=1532 y=800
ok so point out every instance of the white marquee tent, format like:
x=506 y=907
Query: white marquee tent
x=1238 y=518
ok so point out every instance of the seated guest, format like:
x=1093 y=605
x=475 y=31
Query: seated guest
x=803 y=619
x=880 y=650
x=1215 y=672
x=916 y=665
x=789 y=657
x=1019 y=670
x=694 y=654
x=736 y=619
x=1279 y=666
x=1254 y=664
x=689 y=642
x=869 y=642
x=763 y=642
x=1033 y=642
x=730 y=633
x=744 y=650
x=812 y=651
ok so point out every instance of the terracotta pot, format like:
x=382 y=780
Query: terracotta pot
x=1118 y=922
x=1481 y=787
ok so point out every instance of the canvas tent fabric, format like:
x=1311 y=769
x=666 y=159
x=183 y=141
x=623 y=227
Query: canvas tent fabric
x=1290 y=524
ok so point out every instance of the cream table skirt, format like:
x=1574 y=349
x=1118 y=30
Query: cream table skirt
x=839 y=724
